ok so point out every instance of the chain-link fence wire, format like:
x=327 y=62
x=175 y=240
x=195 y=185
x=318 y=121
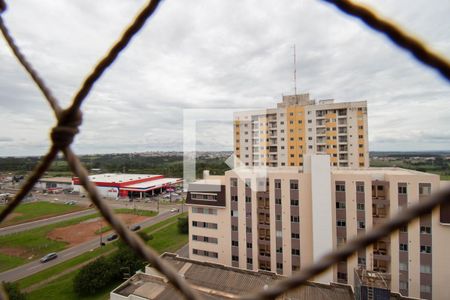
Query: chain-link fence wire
x=70 y=118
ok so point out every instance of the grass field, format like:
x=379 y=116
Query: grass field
x=33 y=243
x=38 y=210
x=165 y=239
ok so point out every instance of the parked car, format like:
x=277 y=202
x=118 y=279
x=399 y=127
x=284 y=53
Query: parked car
x=49 y=257
x=175 y=210
x=112 y=237
x=135 y=227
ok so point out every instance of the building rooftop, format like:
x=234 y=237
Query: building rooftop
x=112 y=177
x=57 y=179
x=215 y=281
x=153 y=184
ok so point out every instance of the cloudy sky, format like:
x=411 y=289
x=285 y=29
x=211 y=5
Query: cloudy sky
x=217 y=56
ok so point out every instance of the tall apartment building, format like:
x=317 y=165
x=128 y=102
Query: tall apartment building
x=281 y=219
x=282 y=136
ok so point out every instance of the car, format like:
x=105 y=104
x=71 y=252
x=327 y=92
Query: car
x=175 y=210
x=49 y=257
x=135 y=227
x=112 y=237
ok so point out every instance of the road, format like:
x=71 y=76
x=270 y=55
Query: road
x=51 y=220
x=36 y=266
x=37 y=223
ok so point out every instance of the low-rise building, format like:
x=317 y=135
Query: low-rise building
x=215 y=281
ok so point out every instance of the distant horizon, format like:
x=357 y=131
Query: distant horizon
x=218 y=151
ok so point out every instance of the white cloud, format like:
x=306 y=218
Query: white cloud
x=216 y=54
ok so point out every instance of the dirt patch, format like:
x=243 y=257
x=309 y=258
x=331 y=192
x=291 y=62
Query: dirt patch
x=12 y=216
x=79 y=233
x=15 y=251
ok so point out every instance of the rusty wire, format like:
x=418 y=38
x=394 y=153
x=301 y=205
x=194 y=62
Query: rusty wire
x=70 y=119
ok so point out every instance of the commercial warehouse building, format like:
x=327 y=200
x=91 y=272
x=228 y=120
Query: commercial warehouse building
x=112 y=185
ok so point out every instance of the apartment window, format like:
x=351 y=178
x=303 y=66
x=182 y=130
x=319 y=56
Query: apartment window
x=403 y=266
x=233 y=182
x=340 y=187
x=295 y=252
x=295 y=219
x=362 y=261
x=248 y=229
x=299 y=121
x=404 y=229
x=291 y=122
x=278 y=217
x=425 y=249
x=425 y=229
x=278 y=201
x=234 y=228
x=340 y=205
x=294 y=186
x=361 y=224
x=360 y=127
x=234 y=258
x=248 y=199
x=234 y=213
x=403 y=247
x=277 y=184
x=340 y=223
x=279 y=250
x=361 y=146
x=279 y=234
x=249 y=245
x=309 y=121
x=425 y=269
x=360 y=136
x=342 y=276
x=295 y=236
x=235 y=243
x=294 y=202
x=402 y=190
x=425 y=288
x=424 y=190
x=234 y=198
x=404 y=285
x=249 y=261
x=360 y=206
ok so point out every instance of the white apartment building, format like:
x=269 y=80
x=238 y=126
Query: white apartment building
x=282 y=219
x=281 y=136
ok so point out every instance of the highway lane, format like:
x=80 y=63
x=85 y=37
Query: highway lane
x=51 y=220
x=64 y=255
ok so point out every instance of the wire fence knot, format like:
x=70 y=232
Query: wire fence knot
x=64 y=132
x=2 y=6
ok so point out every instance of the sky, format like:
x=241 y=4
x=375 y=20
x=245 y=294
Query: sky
x=213 y=57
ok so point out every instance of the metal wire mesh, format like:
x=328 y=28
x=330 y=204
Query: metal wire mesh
x=70 y=118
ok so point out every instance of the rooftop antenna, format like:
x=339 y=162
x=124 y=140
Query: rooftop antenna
x=295 y=75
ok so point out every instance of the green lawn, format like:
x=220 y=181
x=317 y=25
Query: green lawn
x=34 y=243
x=165 y=239
x=140 y=212
x=39 y=210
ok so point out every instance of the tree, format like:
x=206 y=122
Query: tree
x=183 y=225
x=125 y=257
x=13 y=291
x=93 y=277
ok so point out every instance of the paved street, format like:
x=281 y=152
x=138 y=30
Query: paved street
x=33 y=224
x=36 y=266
